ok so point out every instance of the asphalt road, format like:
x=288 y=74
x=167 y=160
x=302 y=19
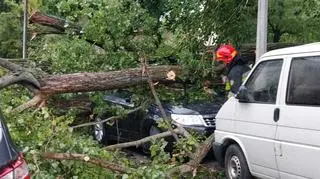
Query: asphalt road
x=209 y=162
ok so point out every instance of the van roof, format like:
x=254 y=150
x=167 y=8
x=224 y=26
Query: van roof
x=312 y=47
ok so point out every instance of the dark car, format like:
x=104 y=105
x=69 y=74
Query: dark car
x=12 y=164
x=142 y=123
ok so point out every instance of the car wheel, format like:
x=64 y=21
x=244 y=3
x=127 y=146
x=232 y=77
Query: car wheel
x=153 y=130
x=100 y=131
x=236 y=166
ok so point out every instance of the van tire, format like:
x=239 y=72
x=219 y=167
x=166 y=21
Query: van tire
x=235 y=164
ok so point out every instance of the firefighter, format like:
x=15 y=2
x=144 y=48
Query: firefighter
x=232 y=67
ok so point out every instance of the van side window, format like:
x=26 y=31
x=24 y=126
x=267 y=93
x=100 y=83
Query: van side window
x=304 y=82
x=262 y=85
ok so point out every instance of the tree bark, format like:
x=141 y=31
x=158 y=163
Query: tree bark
x=16 y=78
x=84 y=82
x=52 y=21
x=45 y=87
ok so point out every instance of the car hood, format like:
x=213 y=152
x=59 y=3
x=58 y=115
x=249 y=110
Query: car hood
x=8 y=152
x=204 y=108
x=180 y=110
x=193 y=109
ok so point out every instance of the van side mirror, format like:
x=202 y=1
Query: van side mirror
x=243 y=95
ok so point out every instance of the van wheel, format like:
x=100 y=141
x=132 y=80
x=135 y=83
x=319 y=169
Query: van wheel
x=235 y=164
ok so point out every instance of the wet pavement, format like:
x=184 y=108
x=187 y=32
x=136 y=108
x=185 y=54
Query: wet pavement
x=209 y=162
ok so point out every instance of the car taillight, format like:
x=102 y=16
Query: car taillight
x=17 y=170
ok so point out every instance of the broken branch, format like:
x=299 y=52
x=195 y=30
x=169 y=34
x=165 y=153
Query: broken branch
x=5 y=63
x=105 y=120
x=158 y=102
x=142 y=141
x=52 y=21
x=87 y=159
x=199 y=155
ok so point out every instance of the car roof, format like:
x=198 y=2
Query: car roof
x=307 y=48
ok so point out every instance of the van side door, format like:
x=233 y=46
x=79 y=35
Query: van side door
x=255 y=123
x=298 y=134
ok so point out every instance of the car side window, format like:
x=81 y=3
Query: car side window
x=304 y=84
x=262 y=86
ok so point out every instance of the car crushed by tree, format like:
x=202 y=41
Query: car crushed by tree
x=142 y=122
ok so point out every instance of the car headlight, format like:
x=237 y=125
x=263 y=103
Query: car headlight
x=187 y=120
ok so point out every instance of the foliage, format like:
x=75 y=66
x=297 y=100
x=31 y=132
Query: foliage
x=294 y=21
x=36 y=132
x=60 y=55
x=163 y=31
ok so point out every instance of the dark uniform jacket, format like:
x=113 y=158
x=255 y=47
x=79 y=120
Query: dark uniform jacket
x=235 y=71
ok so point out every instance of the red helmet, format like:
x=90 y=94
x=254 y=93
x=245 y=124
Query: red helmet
x=225 y=53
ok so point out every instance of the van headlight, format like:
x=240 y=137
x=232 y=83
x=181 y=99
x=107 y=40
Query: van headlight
x=187 y=120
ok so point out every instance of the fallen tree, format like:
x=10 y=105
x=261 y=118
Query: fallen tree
x=47 y=86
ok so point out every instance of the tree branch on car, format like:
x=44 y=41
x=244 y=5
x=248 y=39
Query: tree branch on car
x=184 y=132
x=138 y=143
x=106 y=120
x=145 y=69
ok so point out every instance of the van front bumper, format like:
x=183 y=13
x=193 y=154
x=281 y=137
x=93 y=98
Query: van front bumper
x=218 y=150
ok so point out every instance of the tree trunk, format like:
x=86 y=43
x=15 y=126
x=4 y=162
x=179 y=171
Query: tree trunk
x=84 y=82
x=44 y=87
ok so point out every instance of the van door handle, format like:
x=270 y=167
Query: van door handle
x=276 y=115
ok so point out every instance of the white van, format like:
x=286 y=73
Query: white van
x=271 y=129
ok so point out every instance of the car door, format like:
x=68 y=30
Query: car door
x=255 y=123
x=128 y=127
x=299 y=122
